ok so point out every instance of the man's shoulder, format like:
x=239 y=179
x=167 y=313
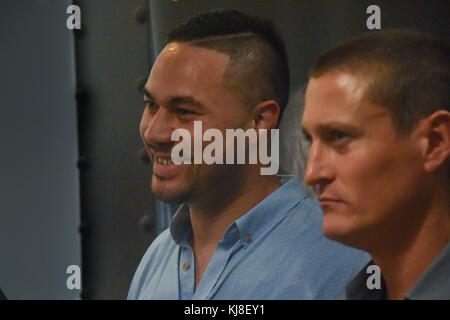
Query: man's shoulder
x=303 y=237
x=304 y=215
x=158 y=256
x=297 y=203
x=306 y=218
x=318 y=268
x=162 y=248
x=163 y=244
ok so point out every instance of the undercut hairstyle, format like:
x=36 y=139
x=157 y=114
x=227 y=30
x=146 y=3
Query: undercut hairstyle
x=258 y=69
x=408 y=72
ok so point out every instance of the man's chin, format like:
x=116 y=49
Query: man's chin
x=169 y=194
x=169 y=198
x=335 y=227
x=345 y=233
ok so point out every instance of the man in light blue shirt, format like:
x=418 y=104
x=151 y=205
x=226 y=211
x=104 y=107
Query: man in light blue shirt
x=274 y=251
x=240 y=234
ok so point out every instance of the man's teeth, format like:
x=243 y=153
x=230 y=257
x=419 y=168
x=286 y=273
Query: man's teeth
x=164 y=161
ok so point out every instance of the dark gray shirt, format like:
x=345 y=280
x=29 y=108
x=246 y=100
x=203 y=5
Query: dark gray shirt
x=434 y=284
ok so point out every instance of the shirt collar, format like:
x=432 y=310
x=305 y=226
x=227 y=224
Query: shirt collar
x=357 y=288
x=270 y=210
x=249 y=226
x=433 y=284
x=180 y=226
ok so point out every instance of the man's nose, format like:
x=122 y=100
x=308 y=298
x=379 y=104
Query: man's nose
x=319 y=170
x=158 y=128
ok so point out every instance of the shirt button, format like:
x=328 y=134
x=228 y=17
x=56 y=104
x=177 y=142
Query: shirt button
x=186 y=265
x=248 y=239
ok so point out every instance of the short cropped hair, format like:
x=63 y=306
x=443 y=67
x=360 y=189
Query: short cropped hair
x=258 y=67
x=409 y=72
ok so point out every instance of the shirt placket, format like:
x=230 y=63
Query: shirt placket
x=186 y=270
x=218 y=265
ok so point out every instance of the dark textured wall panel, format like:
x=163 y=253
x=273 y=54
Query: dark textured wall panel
x=113 y=51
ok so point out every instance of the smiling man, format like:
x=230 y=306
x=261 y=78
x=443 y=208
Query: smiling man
x=238 y=234
x=377 y=116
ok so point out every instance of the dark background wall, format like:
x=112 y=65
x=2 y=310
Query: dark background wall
x=44 y=141
x=309 y=27
x=39 y=186
x=112 y=54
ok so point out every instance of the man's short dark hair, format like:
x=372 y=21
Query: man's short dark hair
x=258 y=67
x=409 y=71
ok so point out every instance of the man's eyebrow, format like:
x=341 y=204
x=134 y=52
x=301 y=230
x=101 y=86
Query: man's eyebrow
x=147 y=93
x=334 y=125
x=176 y=101
x=304 y=131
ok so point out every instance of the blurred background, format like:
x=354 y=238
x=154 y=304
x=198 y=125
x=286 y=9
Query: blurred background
x=74 y=178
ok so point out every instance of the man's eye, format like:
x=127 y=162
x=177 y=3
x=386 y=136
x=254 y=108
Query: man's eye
x=338 y=135
x=339 y=138
x=151 y=106
x=183 y=112
x=307 y=137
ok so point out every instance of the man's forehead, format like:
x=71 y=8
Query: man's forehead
x=191 y=61
x=188 y=51
x=186 y=66
x=339 y=97
x=340 y=83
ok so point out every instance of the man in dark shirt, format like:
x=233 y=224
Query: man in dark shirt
x=377 y=116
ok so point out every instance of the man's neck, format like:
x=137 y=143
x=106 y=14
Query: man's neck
x=402 y=268
x=211 y=216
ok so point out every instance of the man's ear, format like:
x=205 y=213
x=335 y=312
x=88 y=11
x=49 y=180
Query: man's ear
x=437 y=128
x=266 y=115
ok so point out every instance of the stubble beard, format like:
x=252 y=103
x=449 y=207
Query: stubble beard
x=178 y=193
x=197 y=183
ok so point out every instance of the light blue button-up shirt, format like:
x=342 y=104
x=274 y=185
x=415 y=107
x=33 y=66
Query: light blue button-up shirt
x=275 y=251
